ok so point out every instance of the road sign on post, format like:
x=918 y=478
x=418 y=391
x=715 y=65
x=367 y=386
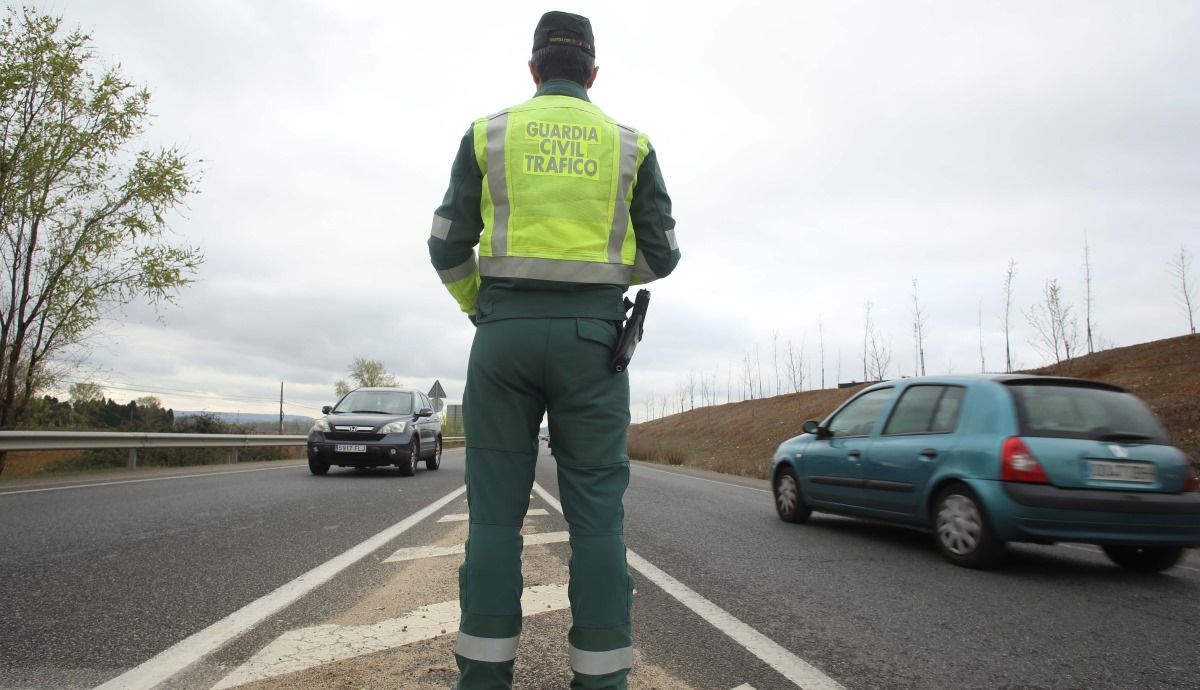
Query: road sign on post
x=437 y=394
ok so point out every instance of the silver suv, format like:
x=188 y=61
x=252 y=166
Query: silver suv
x=374 y=427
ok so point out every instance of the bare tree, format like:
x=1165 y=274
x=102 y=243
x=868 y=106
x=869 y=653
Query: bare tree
x=982 y=361
x=1181 y=271
x=1008 y=288
x=877 y=357
x=821 y=334
x=1055 y=326
x=1087 y=291
x=794 y=360
x=691 y=390
x=867 y=328
x=918 y=332
x=775 y=358
x=758 y=368
x=747 y=377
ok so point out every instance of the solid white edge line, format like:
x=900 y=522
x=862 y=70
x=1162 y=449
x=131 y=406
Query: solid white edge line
x=788 y=665
x=702 y=479
x=148 y=479
x=187 y=652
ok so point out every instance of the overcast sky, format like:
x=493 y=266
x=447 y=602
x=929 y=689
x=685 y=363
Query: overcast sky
x=820 y=155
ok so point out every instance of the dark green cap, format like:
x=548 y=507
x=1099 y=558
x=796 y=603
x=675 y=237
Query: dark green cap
x=564 y=28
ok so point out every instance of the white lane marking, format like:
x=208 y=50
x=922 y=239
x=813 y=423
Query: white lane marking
x=463 y=517
x=148 y=479
x=702 y=479
x=1098 y=551
x=784 y=662
x=416 y=552
x=297 y=650
x=183 y=654
x=744 y=686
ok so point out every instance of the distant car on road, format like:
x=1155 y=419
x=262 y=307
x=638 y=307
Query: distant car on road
x=372 y=427
x=984 y=460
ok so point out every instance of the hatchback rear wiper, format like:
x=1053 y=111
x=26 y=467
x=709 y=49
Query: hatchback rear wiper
x=1123 y=436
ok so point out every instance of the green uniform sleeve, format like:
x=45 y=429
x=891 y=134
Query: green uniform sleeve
x=457 y=224
x=653 y=226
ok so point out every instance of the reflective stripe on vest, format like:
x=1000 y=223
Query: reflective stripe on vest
x=620 y=224
x=554 y=269
x=555 y=206
x=601 y=663
x=489 y=649
x=497 y=132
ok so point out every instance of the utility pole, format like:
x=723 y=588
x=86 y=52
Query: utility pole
x=281 y=408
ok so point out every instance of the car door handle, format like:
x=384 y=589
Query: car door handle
x=929 y=453
x=854 y=454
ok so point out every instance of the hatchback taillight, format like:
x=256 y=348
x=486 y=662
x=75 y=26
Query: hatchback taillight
x=1191 y=476
x=1017 y=464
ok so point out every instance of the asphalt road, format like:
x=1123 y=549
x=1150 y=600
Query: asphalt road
x=97 y=580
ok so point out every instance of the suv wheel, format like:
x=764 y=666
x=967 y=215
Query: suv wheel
x=789 y=502
x=961 y=529
x=317 y=467
x=409 y=467
x=436 y=461
x=1144 y=559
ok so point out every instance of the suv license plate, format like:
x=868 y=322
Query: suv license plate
x=1121 y=471
x=340 y=448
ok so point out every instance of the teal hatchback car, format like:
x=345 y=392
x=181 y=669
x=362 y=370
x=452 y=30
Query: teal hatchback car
x=984 y=460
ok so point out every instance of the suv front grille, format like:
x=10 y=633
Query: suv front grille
x=351 y=436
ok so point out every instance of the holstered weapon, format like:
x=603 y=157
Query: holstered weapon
x=631 y=331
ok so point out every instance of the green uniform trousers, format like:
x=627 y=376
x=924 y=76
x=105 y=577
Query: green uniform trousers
x=520 y=369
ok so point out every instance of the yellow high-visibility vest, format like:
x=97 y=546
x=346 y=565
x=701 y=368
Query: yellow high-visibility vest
x=558 y=180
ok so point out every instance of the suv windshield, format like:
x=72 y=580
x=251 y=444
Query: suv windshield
x=1077 y=411
x=379 y=402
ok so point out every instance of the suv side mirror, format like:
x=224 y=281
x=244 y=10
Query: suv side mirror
x=812 y=427
x=326 y=409
x=425 y=412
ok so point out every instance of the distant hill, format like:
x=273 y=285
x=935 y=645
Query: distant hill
x=740 y=438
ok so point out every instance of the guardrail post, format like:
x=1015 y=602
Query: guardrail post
x=233 y=455
x=132 y=464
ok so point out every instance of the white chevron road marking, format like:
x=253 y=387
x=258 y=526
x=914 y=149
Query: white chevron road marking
x=417 y=552
x=297 y=650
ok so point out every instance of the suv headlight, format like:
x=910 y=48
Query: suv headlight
x=393 y=428
x=321 y=424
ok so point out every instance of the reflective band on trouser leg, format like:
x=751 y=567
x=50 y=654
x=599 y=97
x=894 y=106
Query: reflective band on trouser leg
x=601 y=663
x=497 y=130
x=620 y=224
x=489 y=649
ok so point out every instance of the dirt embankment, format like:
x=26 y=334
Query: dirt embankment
x=740 y=438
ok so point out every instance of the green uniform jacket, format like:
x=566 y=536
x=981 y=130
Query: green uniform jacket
x=506 y=298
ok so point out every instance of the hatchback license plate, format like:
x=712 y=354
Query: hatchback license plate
x=347 y=448
x=1121 y=471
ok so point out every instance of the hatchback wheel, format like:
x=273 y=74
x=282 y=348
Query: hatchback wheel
x=789 y=502
x=409 y=467
x=436 y=461
x=961 y=527
x=1144 y=559
x=317 y=467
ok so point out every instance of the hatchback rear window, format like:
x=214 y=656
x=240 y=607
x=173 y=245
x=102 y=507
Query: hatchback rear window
x=1079 y=411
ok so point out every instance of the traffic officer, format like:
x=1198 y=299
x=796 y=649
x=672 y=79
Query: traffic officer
x=568 y=209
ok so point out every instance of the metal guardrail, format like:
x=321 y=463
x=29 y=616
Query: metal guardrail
x=88 y=440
